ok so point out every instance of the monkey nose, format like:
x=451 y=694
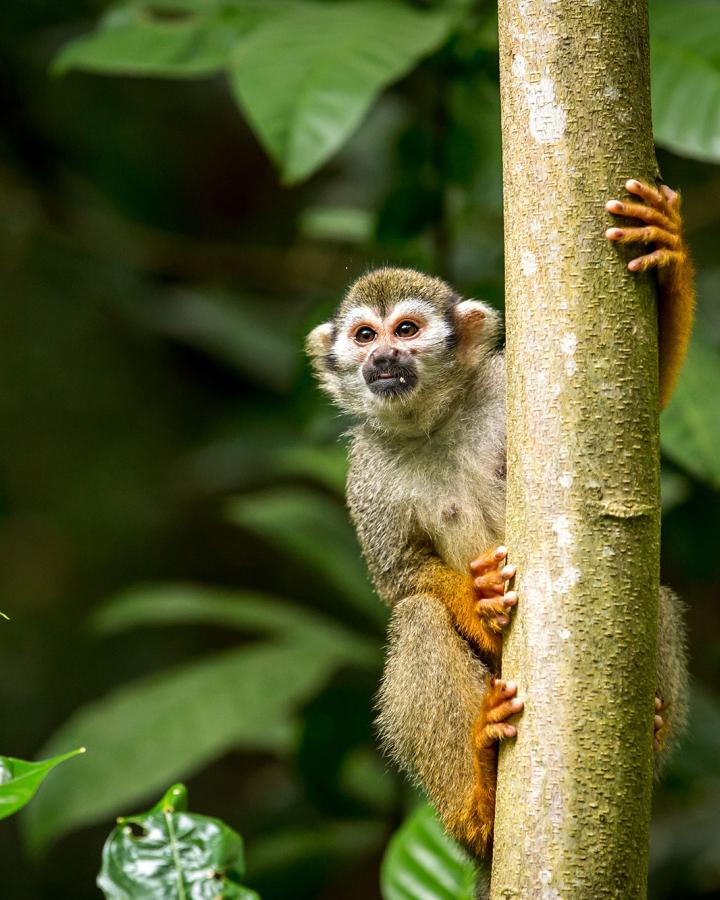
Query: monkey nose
x=383 y=356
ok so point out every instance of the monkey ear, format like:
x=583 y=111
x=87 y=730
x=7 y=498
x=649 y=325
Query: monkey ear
x=477 y=325
x=319 y=341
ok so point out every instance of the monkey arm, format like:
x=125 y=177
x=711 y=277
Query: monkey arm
x=662 y=225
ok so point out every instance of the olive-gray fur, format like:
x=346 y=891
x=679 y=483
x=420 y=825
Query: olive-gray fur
x=427 y=477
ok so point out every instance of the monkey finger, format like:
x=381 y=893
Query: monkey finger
x=649 y=194
x=656 y=259
x=489 y=591
x=646 y=233
x=658 y=704
x=504 y=710
x=490 y=584
x=500 y=690
x=492 y=733
x=490 y=607
x=659 y=722
x=672 y=197
x=646 y=214
x=489 y=559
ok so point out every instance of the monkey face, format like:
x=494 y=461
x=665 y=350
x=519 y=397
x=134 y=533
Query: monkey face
x=400 y=347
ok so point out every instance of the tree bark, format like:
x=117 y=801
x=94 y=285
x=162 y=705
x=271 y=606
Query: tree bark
x=573 y=801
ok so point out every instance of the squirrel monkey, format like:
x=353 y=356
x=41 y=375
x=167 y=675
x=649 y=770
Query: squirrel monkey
x=417 y=365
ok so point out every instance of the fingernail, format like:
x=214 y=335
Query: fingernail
x=509 y=571
x=633 y=265
x=613 y=232
x=517 y=704
x=510 y=731
x=631 y=183
x=612 y=204
x=511 y=597
x=503 y=620
x=510 y=685
x=501 y=551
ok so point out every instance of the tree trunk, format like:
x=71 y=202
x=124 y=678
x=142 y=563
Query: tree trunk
x=573 y=802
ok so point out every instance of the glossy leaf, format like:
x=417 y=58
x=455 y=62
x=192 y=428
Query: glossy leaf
x=314 y=529
x=685 y=59
x=184 y=604
x=168 y=853
x=306 y=77
x=690 y=427
x=20 y=779
x=170 y=725
x=423 y=863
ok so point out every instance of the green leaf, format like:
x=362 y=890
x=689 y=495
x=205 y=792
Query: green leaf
x=306 y=77
x=130 y=41
x=170 y=854
x=423 y=863
x=315 y=530
x=685 y=60
x=165 y=38
x=185 y=604
x=690 y=426
x=170 y=725
x=19 y=779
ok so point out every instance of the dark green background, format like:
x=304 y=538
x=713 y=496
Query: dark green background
x=157 y=281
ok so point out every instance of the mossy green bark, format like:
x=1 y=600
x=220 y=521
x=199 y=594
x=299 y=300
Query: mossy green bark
x=573 y=802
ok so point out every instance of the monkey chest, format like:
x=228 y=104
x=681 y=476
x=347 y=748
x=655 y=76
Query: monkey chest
x=462 y=517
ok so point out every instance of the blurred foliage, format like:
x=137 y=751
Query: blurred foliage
x=186 y=593
x=168 y=853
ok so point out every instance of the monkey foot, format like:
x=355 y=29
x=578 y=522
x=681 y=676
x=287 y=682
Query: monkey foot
x=661 y=226
x=659 y=727
x=499 y=704
x=490 y=585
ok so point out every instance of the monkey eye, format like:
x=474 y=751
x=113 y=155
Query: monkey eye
x=406 y=329
x=364 y=335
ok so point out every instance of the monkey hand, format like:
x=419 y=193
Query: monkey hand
x=661 y=226
x=494 y=601
x=499 y=704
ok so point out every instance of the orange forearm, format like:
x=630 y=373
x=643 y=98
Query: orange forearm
x=457 y=593
x=676 y=310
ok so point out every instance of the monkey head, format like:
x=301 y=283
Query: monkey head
x=401 y=348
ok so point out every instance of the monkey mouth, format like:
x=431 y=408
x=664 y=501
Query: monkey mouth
x=391 y=382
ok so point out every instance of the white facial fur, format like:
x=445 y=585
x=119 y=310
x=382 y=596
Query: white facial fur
x=338 y=358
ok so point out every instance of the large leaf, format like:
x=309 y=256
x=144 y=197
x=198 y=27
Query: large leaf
x=168 y=853
x=423 y=863
x=20 y=779
x=314 y=529
x=182 y=603
x=307 y=76
x=685 y=58
x=189 y=39
x=690 y=427
x=168 y=726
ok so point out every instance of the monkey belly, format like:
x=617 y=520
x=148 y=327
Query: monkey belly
x=460 y=528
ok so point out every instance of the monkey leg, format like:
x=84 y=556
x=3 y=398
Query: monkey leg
x=440 y=718
x=661 y=227
x=672 y=677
